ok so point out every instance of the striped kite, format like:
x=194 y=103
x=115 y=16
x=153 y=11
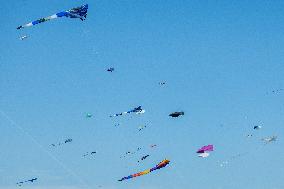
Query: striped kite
x=137 y=110
x=159 y=166
x=78 y=12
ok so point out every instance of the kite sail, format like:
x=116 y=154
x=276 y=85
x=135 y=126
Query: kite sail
x=176 y=114
x=110 y=69
x=257 y=127
x=203 y=152
x=205 y=148
x=159 y=166
x=137 y=110
x=78 y=12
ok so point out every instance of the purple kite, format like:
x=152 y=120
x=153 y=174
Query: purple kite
x=205 y=149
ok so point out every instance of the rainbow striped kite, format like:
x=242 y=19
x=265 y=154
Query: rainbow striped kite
x=162 y=164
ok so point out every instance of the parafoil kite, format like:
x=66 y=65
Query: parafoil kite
x=78 y=12
x=159 y=166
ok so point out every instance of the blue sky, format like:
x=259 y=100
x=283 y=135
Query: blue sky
x=220 y=61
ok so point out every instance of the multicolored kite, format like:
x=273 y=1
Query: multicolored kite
x=137 y=110
x=78 y=12
x=205 y=149
x=159 y=166
x=203 y=152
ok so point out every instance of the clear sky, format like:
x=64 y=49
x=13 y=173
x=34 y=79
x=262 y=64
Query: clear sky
x=220 y=60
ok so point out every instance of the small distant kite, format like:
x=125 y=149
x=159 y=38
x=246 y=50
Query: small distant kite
x=176 y=114
x=203 y=151
x=23 y=37
x=131 y=152
x=143 y=158
x=257 y=127
x=89 y=115
x=78 y=12
x=162 y=83
x=88 y=154
x=110 y=69
x=153 y=145
x=22 y=182
x=159 y=166
x=60 y=143
x=137 y=110
x=269 y=139
x=142 y=127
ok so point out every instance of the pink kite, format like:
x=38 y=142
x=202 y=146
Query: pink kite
x=205 y=149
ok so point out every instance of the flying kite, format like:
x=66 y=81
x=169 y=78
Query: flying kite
x=142 y=127
x=176 y=114
x=87 y=153
x=23 y=37
x=22 y=182
x=60 y=143
x=110 y=69
x=143 y=158
x=162 y=83
x=89 y=115
x=133 y=152
x=203 y=151
x=137 y=110
x=153 y=145
x=159 y=166
x=78 y=12
x=257 y=127
x=269 y=139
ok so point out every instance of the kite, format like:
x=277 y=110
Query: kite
x=87 y=154
x=257 y=127
x=153 y=145
x=89 y=115
x=203 y=152
x=176 y=114
x=162 y=83
x=133 y=152
x=137 y=110
x=205 y=148
x=22 y=182
x=78 y=12
x=141 y=127
x=23 y=37
x=269 y=139
x=110 y=69
x=60 y=143
x=162 y=164
x=143 y=158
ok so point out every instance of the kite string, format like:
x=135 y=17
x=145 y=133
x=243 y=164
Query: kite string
x=15 y=125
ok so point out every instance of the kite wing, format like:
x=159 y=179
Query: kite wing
x=205 y=148
x=78 y=12
x=159 y=166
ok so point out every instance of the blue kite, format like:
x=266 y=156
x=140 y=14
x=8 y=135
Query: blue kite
x=78 y=12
